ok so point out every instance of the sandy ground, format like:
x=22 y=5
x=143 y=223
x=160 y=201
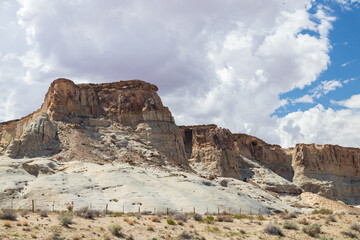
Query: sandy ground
x=33 y=226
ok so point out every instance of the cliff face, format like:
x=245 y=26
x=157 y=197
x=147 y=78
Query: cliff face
x=90 y=106
x=212 y=149
x=272 y=156
x=329 y=170
x=126 y=102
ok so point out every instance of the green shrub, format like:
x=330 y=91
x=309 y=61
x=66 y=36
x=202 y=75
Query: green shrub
x=312 y=230
x=242 y=216
x=322 y=211
x=325 y=238
x=170 y=221
x=65 y=220
x=225 y=218
x=116 y=230
x=209 y=219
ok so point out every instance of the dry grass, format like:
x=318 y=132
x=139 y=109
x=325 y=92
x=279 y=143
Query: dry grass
x=148 y=227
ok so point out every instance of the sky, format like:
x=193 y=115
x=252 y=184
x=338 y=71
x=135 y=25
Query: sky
x=286 y=71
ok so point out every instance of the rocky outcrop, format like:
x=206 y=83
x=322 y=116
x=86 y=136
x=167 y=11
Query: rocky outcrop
x=332 y=171
x=272 y=156
x=39 y=139
x=211 y=149
x=89 y=107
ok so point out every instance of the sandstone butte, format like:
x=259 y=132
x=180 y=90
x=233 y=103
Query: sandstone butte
x=82 y=121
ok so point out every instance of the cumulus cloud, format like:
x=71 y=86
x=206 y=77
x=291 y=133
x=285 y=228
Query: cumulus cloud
x=353 y=102
x=214 y=62
x=304 y=99
x=321 y=126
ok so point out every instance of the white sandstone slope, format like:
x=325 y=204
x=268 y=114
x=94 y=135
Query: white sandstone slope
x=121 y=185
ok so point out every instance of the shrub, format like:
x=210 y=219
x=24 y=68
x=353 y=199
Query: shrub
x=185 y=235
x=322 y=211
x=87 y=213
x=197 y=217
x=7 y=224
x=349 y=234
x=290 y=225
x=212 y=229
x=44 y=213
x=261 y=218
x=242 y=216
x=312 y=230
x=225 y=218
x=116 y=230
x=355 y=227
x=180 y=216
x=209 y=219
x=8 y=214
x=224 y=183
x=170 y=221
x=273 y=229
x=65 y=220
x=325 y=238
x=24 y=212
x=155 y=219
x=303 y=221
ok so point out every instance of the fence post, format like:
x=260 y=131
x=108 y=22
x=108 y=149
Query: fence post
x=194 y=209
x=167 y=211
x=53 y=206
x=123 y=208
x=106 y=209
x=218 y=210
x=139 y=209
x=32 y=205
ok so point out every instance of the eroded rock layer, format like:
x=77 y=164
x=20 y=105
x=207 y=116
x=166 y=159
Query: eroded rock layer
x=88 y=110
x=212 y=149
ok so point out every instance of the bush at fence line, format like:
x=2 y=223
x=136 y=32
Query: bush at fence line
x=65 y=219
x=87 y=213
x=8 y=214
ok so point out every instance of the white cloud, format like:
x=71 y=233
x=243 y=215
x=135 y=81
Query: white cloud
x=325 y=87
x=353 y=102
x=304 y=99
x=346 y=81
x=321 y=126
x=223 y=62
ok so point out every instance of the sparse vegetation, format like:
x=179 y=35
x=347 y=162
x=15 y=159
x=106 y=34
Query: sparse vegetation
x=8 y=214
x=355 y=227
x=180 y=216
x=197 y=217
x=225 y=218
x=155 y=219
x=65 y=220
x=170 y=221
x=322 y=211
x=313 y=230
x=290 y=225
x=44 y=213
x=349 y=234
x=273 y=229
x=209 y=219
x=242 y=216
x=116 y=230
x=304 y=221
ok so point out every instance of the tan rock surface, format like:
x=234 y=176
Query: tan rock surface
x=211 y=149
x=88 y=110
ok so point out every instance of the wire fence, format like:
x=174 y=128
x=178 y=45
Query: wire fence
x=127 y=207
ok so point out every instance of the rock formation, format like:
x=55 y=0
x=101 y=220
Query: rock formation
x=87 y=110
x=211 y=149
x=126 y=122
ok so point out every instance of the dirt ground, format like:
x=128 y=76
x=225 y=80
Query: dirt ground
x=135 y=226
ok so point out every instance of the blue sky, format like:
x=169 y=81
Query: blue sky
x=286 y=73
x=344 y=68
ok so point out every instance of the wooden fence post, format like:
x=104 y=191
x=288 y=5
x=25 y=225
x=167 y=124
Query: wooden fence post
x=106 y=209
x=194 y=209
x=167 y=211
x=32 y=205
